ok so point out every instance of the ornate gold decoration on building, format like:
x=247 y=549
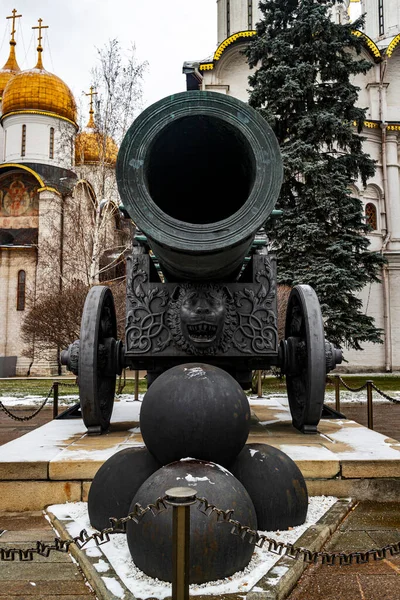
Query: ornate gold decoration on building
x=223 y=45
x=369 y=43
x=38 y=90
x=395 y=41
x=11 y=67
x=90 y=145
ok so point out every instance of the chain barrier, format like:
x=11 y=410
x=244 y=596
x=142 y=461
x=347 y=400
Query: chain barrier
x=244 y=532
x=292 y=551
x=37 y=411
x=344 y=384
x=29 y=417
x=99 y=537
x=68 y=385
x=394 y=400
x=364 y=386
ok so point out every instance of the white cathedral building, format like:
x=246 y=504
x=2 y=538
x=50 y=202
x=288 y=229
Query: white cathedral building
x=226 y=72
x=48 y=188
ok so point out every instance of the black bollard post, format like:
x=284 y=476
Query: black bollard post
x=337 y=393
x=55 y=399
x=180 y=498
x=259 y=384
x=136 y=385
x=369 y=405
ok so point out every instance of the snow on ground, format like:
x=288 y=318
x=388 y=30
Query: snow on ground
x=11 y=401
x=117 y=553
x=346 y=397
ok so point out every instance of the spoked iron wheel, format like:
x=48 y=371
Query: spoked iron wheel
x=303 y=358
x=100 y=359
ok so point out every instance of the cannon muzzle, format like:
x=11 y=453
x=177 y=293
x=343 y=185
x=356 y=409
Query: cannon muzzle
x=199 y=174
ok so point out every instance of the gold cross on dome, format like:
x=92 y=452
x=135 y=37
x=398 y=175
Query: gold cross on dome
x=91 y=94
x=13 y=17
x=40 y=27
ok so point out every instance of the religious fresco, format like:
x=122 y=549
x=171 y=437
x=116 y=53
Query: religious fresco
x=19 y=200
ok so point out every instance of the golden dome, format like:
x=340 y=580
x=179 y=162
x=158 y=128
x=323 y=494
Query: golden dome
x=90 y=146
x=11 y=67
x=37 y=90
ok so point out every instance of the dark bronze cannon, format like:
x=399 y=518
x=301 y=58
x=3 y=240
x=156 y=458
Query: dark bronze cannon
x=199 y=173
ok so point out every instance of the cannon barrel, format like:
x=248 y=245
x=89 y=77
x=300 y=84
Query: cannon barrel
x=199 y=173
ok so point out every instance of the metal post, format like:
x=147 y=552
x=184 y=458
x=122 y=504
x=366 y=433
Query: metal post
x=55 y=399
x=337 y=393
x=180 y=498
x=259 y=384
x=369 y=405
x=136 y=385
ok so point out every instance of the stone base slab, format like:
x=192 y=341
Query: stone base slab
x=55 y=463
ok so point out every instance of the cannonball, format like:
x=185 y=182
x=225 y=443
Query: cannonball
x=195 y=410
x=214 y=552
x=116 y=483
x=275 y=485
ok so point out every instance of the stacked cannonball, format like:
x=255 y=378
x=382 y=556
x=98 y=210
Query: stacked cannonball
x=195 y=420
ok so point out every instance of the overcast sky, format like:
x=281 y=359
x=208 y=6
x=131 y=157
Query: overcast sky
x=166 y=33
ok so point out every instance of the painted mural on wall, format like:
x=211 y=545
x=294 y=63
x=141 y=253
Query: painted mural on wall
x=19 y=201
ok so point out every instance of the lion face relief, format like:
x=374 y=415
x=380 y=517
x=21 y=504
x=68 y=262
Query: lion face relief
x=202 y=318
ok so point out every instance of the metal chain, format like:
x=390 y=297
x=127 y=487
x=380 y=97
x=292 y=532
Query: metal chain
x=362 y=387
x=244 y=532
x=63 y=384
x=101 y=537
x=359 y=389
x=394 y=400
x=292 y=551
x=29 y=417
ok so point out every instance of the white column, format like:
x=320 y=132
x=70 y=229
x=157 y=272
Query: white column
x=393 y=201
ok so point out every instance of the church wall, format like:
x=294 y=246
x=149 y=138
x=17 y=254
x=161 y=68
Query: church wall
x=394 y=292
x=392 y=76
x=239 y=20
x=37 y=145
x=230 y=75
x=13 y=260
x=372 y=357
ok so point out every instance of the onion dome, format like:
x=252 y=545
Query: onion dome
x=11 y=67
x=91 y=147
x=38 y=91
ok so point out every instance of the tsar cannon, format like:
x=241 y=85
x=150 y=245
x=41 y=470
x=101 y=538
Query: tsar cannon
x=199 y=174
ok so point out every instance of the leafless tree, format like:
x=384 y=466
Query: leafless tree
x=86 y=237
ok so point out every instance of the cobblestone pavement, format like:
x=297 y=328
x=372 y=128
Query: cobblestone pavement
x=386 y=417
x=10 y=429
x=369 y=525
x=54 y=578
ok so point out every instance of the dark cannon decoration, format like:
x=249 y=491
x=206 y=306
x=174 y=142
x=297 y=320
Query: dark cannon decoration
x=201 y=315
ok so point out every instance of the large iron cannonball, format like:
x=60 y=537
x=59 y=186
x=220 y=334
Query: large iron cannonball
x=275 y=485
x=214 y=552
x=195 y=410
x=116 y=483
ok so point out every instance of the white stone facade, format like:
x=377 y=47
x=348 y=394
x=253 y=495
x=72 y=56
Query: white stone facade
x=227 y=72
x=47 y=140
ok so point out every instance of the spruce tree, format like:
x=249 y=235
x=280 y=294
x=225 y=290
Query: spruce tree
x=302 y=85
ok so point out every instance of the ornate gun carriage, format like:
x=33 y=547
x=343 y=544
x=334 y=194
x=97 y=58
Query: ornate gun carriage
x=199 y=173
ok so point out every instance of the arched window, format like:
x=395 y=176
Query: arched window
x=370 y=216
x=51 y=143
x=23 y=140
x=21 y=290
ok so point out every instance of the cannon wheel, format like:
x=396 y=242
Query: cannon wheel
x=96 y=385
x=305 y=351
